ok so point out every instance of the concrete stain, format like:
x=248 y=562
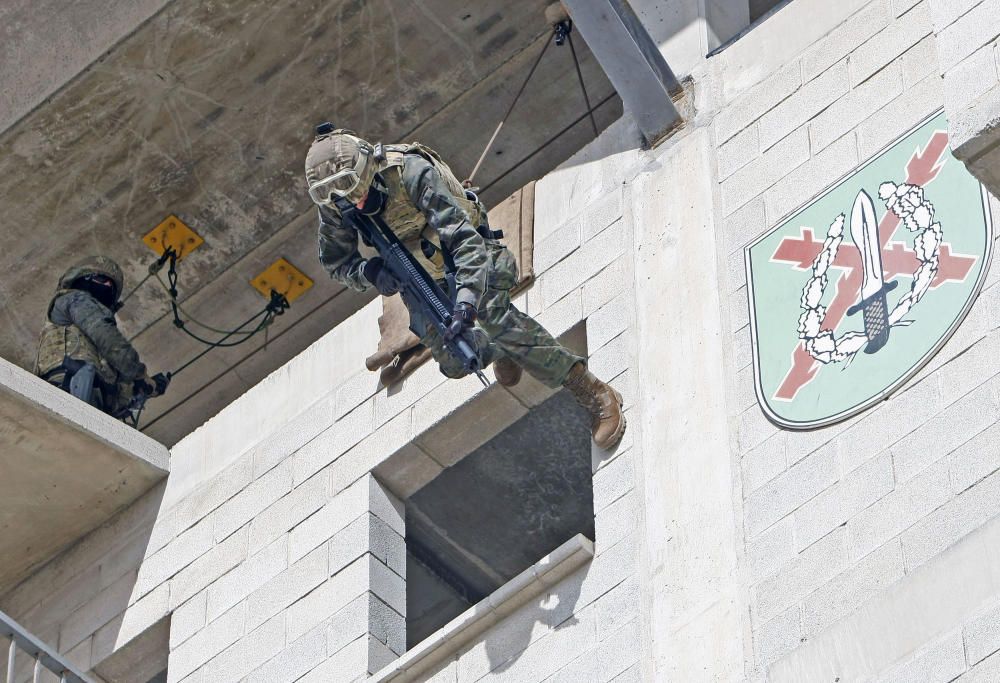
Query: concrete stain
x=30 y=146
x=488 y=23
x=269 y=73
x=498 y=41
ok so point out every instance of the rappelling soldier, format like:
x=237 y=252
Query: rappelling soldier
x=444 y=227
x=81 y=349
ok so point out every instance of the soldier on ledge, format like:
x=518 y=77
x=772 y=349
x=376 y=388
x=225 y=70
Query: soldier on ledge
x=444 y=227
x=81 y=350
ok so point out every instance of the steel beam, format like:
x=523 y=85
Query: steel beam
x=632 y=61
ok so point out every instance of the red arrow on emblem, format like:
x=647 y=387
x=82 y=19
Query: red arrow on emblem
x=922 y=168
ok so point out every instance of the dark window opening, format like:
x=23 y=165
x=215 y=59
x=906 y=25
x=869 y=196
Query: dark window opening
x=758 y=8
x=502 y=508
x=757 y=12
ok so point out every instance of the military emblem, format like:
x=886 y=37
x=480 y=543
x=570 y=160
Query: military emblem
x=860 y=288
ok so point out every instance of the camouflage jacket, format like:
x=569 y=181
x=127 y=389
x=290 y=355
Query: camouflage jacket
x=74 y=308
x=425 y=190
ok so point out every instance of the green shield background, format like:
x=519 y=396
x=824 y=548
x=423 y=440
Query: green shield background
x=840 y=390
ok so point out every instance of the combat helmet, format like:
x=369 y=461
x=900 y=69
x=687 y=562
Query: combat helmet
x=339 y=164
x=95 y=265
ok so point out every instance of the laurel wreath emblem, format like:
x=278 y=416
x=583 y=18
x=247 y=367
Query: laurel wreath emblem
x=908 y=203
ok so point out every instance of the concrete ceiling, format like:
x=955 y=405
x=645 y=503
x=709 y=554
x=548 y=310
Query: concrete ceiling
x=205 y=111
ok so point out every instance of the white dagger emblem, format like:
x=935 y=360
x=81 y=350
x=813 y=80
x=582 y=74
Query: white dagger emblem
x=863 y=221
x=864 y=232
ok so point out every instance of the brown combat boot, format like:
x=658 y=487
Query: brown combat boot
x=507 y=371
x=604 y=404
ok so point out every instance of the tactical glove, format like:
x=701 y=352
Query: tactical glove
x=144 y=385
x=463 y=317
x=162 y=381
x=379 y=276
x=152 y=386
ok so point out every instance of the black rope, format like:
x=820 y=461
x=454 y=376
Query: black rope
x=230 y=368
x=217 y=345
x=220 y=343
x=276 y=306
x=579 y=75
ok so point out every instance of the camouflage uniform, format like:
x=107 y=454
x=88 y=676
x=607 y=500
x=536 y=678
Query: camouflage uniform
x=429 y=212
x=80 y=329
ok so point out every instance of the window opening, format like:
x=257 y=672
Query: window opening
x=759 y=11
x=507 y=504
x=760 y=8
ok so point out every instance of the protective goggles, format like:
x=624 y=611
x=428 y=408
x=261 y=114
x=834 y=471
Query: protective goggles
x=340 y=184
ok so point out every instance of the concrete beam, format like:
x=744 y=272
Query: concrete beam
x=632 y=61
x=66 y=469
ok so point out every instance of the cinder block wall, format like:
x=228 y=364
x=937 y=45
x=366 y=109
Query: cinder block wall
x=726 y=548
x=269 y=550
x=968 y=39
x=857 y=515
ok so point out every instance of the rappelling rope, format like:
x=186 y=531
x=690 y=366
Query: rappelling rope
x=275 y=307
x=579 y=75
x=135 y=289
x=562 y=29
x=503 y=120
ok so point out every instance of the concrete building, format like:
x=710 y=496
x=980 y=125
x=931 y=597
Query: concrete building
x=792 y=501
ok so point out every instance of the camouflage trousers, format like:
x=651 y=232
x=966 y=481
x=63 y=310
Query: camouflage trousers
x=503 y=330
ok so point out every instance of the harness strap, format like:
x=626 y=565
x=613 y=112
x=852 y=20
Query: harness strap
x=62 y=374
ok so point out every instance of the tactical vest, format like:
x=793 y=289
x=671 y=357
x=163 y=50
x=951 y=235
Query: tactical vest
x=59 y=342
x=405 y=219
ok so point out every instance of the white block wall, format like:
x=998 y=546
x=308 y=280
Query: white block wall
x=968 y=39
x=835 y=516
x=726 y=548
x=276 y=555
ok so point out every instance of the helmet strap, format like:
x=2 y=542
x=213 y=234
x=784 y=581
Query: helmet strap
x=378 y=197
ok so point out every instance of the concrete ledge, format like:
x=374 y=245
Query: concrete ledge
x=464 y=628
x=65 y=469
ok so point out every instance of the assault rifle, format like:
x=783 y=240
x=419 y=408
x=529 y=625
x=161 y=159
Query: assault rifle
x=423 y=296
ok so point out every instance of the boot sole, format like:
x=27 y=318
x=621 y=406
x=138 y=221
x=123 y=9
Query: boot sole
x=509 y=383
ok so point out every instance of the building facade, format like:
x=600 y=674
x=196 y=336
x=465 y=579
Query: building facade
x=727 y=543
